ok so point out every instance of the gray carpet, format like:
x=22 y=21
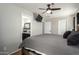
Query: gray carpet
x=50 y=44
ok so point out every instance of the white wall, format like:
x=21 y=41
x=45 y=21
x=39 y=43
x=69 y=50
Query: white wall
x=69 y=23
x=25 y=20
x=36 y=27
x=65 y=24
x=62 y=26
x=26 y=16
x=56 y=25
x=10 y=27
x=47 y=27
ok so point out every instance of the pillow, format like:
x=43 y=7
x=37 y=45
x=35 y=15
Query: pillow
x=66 y=34
x=73 y=38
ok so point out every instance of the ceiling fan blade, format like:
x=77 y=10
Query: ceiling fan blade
x=55 y=8
x=44 y=12
x=42 y=9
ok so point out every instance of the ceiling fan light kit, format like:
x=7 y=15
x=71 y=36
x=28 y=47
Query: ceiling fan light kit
x=49 y=11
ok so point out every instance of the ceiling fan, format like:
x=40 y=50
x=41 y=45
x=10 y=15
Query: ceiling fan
x=49 y=8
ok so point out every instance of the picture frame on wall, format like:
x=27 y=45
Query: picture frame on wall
x=27 y=25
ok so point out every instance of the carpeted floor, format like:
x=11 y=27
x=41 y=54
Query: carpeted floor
x=50 y=44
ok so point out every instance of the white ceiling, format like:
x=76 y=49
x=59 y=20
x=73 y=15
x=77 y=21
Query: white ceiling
x=66 y=8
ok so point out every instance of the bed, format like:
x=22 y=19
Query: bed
x=49 y=44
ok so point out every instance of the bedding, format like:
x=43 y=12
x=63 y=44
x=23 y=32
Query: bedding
x=73 y=38
x=66 y=34
x=50 y=44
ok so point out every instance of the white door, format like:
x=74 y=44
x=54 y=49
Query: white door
x=61 y=26
x=47 y=27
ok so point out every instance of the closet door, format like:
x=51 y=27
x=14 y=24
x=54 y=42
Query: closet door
x=47 y=27
x=62 y=26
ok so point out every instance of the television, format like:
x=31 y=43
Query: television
x=39 y=18
x=77 y=18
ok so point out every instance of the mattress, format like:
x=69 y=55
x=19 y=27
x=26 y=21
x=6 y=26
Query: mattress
x=50 y=44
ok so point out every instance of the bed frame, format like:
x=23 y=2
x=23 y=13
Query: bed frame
x=20 y=51
x=23 y=51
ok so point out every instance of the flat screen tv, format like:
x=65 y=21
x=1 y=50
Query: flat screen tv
x=39 y=18
x=77 y=18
